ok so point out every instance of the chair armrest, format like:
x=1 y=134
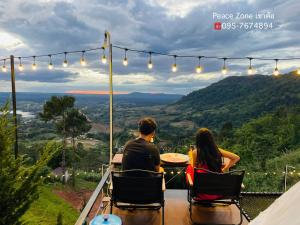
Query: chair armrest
x=163 y=184
x=191 y=183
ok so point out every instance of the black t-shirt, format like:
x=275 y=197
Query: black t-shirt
x=140 y=154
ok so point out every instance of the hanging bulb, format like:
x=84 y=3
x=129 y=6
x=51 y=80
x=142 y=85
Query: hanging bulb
x=21 y=68
x=250 y=69
x=150 y=64
x=224 y=69
x=125 y=61
x=33 y=65
x=174 y=66
x=4 y=70
x=65 y=63
x=103 y=58
x=199 y=67
x=276 y=70
x=50 y=65
x=82 y=60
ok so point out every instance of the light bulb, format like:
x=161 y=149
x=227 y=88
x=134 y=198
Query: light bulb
x=125 y=61
x=103 y=59
x=150 y=65
x=33 y=66
x=82 y=61
x=174 y=68
x=198 y=69
x=298 y=71
x=4 y=69
x=21 y=68
x=250 y=70
x=224 y=70
x=65 y=63
x=276 y=72
x=50 y=66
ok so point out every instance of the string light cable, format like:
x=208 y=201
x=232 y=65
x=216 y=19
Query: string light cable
x=150 y=63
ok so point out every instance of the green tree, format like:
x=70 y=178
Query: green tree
x=56 y=110
x=76 y=123
x=18 y=182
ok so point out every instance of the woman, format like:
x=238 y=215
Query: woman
x=208 y=156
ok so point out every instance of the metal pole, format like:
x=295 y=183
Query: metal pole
x=14 y=101
x=285 y=175
x=107 y=43
x=110 y=104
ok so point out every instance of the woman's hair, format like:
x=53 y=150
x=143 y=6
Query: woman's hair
x=207 y=150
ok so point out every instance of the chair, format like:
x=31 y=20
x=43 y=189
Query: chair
x=226 y=185
x=137 y=189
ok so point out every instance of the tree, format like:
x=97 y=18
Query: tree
x=76 y=123
x=18 y=183
x=56 y=110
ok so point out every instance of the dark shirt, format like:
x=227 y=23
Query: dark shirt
x=140 y=154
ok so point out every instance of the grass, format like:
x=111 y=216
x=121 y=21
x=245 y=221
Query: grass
x=44 y=211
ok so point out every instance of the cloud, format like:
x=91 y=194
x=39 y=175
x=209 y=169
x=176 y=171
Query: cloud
x=174 y=26
x=43 y=76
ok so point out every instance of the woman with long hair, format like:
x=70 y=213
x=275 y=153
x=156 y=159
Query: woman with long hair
x=208 y=156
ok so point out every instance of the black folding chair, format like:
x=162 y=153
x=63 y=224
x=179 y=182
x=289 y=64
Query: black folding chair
x=137 y=189
x=226 y=185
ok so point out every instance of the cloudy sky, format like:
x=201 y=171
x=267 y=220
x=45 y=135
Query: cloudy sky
x=30 y=27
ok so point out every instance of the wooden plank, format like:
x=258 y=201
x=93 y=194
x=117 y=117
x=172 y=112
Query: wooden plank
x=177 y=212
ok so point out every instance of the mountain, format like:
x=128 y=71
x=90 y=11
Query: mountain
x=137 y=98
x=238 y=99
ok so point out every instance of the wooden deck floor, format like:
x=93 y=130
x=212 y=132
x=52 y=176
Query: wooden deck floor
x=177 y=213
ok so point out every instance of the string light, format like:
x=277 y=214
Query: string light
x=50 y=65
x=150 y=64
x=224 y=69
x=21 y=68
x=250 y=69
x=4 y=66
x=125 y=61
x=276 y=71
x=174 y=66
x=198 y=67
x=103 y=58
x=65 y=63
x=82 y=60
x=33 y=64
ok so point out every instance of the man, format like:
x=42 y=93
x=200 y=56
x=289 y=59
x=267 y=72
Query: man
x=141 y=153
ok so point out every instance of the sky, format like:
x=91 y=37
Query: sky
x=178 y=27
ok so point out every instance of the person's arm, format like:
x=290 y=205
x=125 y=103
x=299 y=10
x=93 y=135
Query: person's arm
x=156 y=159
x=233 y=159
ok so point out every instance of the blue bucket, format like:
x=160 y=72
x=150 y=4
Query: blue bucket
x=106 y=219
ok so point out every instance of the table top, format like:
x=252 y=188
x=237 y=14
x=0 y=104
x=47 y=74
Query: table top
x=117 y=160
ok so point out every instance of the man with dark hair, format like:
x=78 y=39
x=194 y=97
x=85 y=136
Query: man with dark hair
x=141 y=153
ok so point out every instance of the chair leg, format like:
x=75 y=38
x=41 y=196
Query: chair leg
x=190 y=209
x=163 y=215
x=111 y=207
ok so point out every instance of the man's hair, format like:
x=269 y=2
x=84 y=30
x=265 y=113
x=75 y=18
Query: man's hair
x=147 y=125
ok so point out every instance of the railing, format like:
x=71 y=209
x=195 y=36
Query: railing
x=85 y=212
